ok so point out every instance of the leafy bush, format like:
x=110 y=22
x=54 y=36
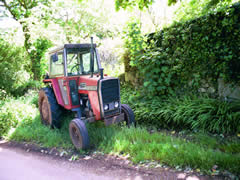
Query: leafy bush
x=13 y=112
x=13 y=64
x=37 y=55
x=193 y=9
x=29 y=85
x=188 y=55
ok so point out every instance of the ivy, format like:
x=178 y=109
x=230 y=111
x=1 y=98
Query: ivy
x=188 y=55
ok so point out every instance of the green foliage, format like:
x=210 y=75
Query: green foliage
x=195 y=8
x=21 y=11
x=187 y=112
x=13 y=64
x=13 y=112
x=80 y=21
x=133 y=40
x=34 y=131
x=228 y=145
x=141 y=4
x=37 y=55
x=189 y=55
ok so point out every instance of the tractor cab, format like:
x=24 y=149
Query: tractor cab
x=74 y=60
x=76 y=83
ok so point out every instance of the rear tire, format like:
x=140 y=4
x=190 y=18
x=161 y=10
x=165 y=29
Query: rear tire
x=129 y=117
x=79 y=134
x=50 y=110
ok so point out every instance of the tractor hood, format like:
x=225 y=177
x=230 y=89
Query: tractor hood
x=88 y=83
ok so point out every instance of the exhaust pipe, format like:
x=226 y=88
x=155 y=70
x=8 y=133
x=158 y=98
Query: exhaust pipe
x=101 y=72
x=91 y=57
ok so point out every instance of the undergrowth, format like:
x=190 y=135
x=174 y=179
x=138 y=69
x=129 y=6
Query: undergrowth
x=186 y=112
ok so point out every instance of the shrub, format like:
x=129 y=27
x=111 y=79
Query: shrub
x=13 y=64
x=13 y=112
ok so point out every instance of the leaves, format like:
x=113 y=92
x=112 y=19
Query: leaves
x=189 y=55
x=141 y=4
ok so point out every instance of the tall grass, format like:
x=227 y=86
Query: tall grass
x=186 y=112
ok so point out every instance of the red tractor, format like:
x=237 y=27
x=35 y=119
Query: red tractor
x=76 y=82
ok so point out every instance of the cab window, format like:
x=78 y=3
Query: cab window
x=79 y=62
x=56 y=64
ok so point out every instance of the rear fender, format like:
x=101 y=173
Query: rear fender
x=56 y=90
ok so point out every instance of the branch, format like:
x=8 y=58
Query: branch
x=22 y=3
x=9 y=9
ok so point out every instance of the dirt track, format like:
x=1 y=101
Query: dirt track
x=18 y=164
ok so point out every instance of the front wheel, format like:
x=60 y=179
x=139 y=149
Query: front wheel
x=79 y=134
x=129 y=117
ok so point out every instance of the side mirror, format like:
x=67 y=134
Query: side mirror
x=54 y=57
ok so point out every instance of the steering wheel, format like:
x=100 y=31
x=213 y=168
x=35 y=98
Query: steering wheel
x=75 y=66
x=73 y=57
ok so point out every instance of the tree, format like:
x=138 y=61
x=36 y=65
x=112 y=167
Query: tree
x=141 y=4
x=80 y=20
x=21 y=11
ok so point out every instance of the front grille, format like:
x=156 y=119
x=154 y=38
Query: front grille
x=110 y=90
x=110 y=93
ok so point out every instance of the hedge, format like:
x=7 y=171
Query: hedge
x=185 y=54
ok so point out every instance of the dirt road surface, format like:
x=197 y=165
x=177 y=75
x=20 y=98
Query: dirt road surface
x=17 y=164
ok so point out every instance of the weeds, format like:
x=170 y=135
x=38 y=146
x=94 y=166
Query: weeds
x=187 y=112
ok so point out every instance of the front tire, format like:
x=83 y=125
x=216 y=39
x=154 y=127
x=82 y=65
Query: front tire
x=50 y=110
x=129 y=117
x=79 y=134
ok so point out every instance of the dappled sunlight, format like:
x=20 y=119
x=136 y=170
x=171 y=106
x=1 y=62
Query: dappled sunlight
x=181 y=176
x=10 y=132
x=184 y=176
x=135 y=178
x=192 y=178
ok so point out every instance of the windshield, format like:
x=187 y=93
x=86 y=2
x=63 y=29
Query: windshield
x=79 y=62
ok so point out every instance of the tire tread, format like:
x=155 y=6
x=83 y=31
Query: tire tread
x=56 y=109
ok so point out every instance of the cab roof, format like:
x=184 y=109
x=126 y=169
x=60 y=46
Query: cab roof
x=70 y=46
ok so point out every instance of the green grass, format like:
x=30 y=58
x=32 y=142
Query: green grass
x=37 y=133
x=195 y=150
x=141 y=145
x=138 y=143
x=228 y=144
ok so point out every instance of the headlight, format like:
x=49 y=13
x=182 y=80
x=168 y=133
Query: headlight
x=105 y=107
x=116 y=104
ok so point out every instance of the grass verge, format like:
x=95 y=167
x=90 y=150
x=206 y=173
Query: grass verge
x=198 y=151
